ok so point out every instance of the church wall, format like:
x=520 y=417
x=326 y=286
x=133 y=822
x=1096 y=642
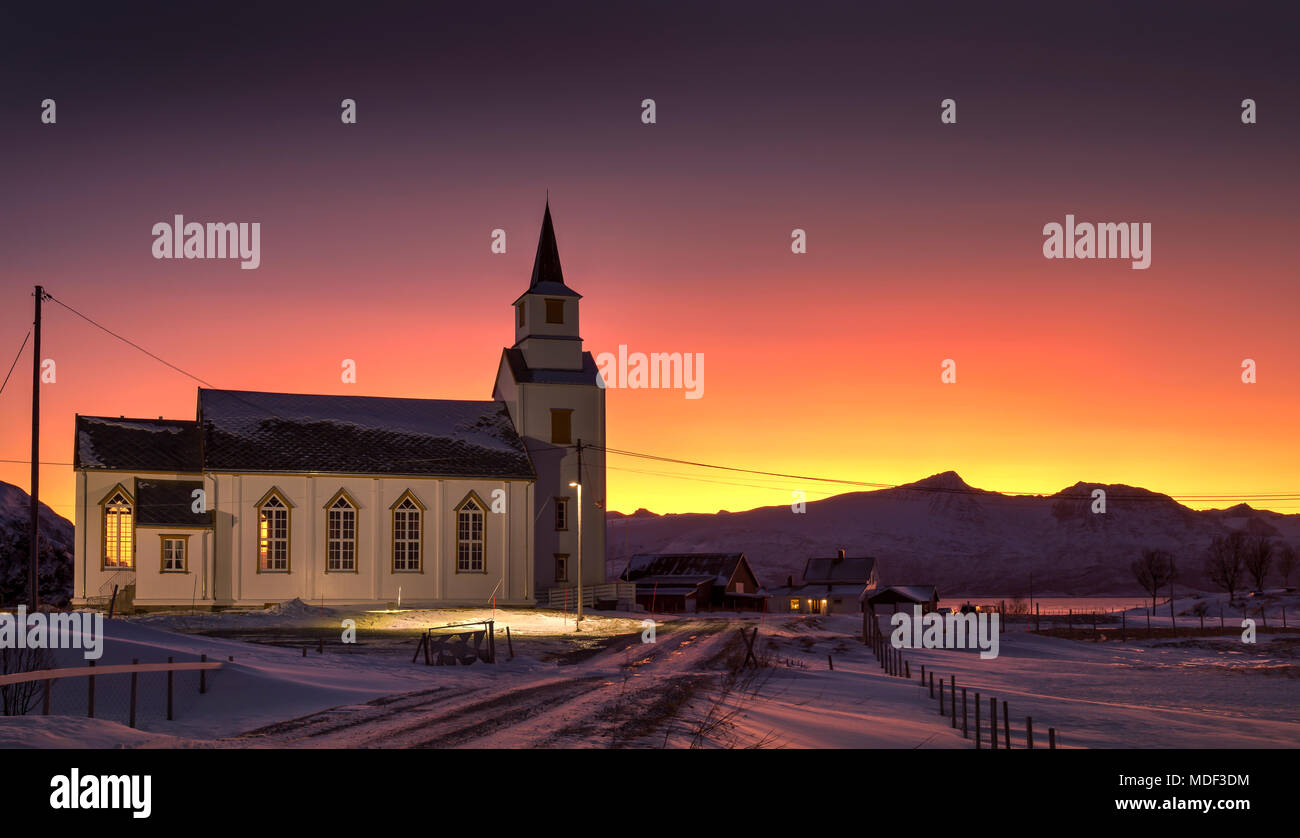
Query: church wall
x=153 y=585
x=90 y=578
x=558 y=465
x=374 y=579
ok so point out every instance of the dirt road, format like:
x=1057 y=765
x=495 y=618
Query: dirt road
x=629 y=695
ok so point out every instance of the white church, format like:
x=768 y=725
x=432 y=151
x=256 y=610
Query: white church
x=266 y=497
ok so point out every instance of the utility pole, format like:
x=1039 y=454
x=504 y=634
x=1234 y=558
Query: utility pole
x=34 y=594
x=577 y=623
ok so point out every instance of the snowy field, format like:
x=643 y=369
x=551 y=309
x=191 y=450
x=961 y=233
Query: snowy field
x=605 y=688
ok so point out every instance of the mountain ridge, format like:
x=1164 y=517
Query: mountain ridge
x=943 y=531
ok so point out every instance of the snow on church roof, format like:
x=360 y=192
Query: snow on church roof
x=262 y=432
x=136 y=444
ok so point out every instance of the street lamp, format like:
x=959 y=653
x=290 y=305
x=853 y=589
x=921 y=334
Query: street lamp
x=576 y=626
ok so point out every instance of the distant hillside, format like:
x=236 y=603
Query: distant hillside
x=56 y=550
x=965 y=540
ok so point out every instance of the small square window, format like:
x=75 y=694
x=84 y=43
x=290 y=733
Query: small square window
x=555 y=311
x=173 y=555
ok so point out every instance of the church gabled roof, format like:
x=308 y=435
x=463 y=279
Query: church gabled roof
x=169 y=503
x=105 y=442
x=247 y=431
x=522 y=373
x=548 y=276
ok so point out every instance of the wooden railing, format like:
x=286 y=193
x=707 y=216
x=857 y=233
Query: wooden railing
x=91 y=672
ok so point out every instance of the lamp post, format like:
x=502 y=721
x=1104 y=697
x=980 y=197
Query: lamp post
x=578 y=620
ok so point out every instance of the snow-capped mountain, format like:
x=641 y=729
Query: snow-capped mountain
x=965 y=540
x=56 y=550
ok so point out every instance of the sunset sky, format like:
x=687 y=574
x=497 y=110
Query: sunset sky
x=924 y=239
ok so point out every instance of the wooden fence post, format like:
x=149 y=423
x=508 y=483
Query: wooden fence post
x=510 y=646
x=1006 y=725
x=830 y=664
x=965 y=729
x=932 y=683
x=1051 y=738
x=977 y=721
x=907 y=670
x=941 y=713
x=134 y=683
x=953 y=685
x=203 y=675
x=922 y=676
x=90 y=702
x=170 y=681
x=1029 y=732
x=993 y=723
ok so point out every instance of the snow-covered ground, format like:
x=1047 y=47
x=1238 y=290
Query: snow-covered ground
x=606 y=687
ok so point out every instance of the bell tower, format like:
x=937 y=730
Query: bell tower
x=546 y=315
x=552 y=389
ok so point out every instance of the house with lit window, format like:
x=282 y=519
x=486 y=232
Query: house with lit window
x=830 y=585
x=267 y=497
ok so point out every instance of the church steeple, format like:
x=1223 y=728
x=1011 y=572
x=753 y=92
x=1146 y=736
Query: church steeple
x=546 y=265
x=546 y=315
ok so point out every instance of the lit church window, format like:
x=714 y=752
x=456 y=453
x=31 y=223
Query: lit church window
x=119 y=529
x=273 y=534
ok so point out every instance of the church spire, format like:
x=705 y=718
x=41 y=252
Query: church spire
x=546 y=265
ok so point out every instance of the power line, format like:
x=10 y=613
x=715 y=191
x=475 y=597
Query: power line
x=1268 y=497
x=1260 y=496
x=15 y=363
x=129 y=342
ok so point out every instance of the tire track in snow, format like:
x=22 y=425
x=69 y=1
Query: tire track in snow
x=555 y=709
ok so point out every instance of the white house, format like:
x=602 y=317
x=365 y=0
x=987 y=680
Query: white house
x=265 y=497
